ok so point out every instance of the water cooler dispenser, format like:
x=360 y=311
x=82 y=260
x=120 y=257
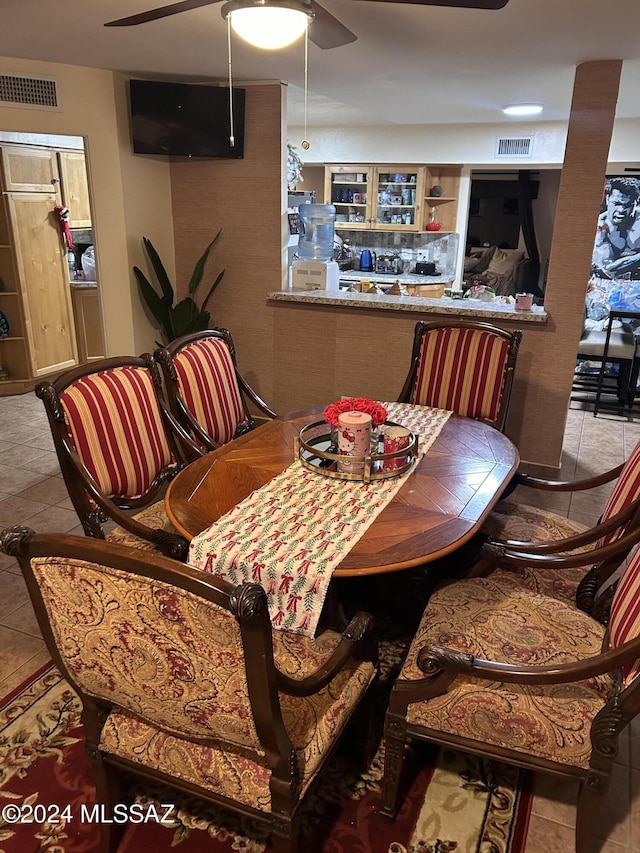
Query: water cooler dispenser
x=315 y=268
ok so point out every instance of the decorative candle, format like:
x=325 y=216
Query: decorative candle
x=395 y=438
x=354 y=439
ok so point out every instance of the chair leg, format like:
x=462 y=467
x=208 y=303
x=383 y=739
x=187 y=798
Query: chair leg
x=589 y=799
x=285 y=835
x=395 y=738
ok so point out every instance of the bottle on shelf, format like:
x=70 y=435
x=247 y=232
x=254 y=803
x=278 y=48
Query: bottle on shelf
x=433 y=224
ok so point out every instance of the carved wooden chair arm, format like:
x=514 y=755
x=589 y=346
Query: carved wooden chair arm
x=255 y=398
x=187 y=448
x=434 y=660
x=196 y=428
x=171 y=544
x=568 y=485
x=569 y=543
x=353 y=644
x=501 y=555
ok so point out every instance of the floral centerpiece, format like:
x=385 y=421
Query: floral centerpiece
x=355 y=404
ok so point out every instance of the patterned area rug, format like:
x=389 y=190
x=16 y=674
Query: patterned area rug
x=450 y=802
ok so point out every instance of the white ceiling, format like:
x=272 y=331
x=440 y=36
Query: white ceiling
x=410 y=64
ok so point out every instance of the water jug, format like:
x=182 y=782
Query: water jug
x=315 y=242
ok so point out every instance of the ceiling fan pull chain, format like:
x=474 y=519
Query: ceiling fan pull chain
x=232 y=140
x=305 y=141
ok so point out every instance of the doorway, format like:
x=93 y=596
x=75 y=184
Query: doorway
x=48 y=174
x=495 y=217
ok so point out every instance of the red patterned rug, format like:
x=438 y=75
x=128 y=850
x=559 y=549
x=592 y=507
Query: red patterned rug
x=452 y=803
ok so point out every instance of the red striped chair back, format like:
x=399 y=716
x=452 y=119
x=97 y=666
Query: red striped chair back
x=118 y=446
x=625 y=491
x=624 y=620
x=208 y=385
x=115 y=424
x=206 y=392
x=465 y=367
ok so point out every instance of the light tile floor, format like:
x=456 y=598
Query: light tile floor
x=32 y=493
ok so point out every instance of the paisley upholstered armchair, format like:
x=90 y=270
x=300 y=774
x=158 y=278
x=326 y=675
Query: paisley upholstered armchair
x=183 y=681
x=535 y=548
x=522 y=677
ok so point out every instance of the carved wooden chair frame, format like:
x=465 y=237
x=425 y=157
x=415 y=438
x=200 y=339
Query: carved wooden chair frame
x=513 y=338
x=247 y=602
x=441 y=666
x=165 y=355
x=93 y=506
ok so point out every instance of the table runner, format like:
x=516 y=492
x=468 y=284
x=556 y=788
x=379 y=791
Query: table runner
x=291 y=533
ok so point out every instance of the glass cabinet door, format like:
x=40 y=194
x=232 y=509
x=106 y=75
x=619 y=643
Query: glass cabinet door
x=349 y=189
x=399 y=196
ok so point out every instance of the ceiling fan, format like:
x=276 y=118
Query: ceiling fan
x=325 y=32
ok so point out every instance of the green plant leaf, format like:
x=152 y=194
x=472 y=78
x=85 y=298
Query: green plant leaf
x=159 y=307
x=198 y=270
x=185 y=314
x=213 y=287
x=158 y=268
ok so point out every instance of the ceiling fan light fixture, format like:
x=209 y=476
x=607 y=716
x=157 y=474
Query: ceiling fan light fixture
x=522 y=109
x=269 y=24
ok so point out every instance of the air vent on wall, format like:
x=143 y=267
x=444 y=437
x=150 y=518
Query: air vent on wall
x=514 y=146
x=38 y=92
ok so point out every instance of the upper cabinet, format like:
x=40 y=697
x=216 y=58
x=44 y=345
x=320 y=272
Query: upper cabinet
x=29 y=170
x=75 y=187
x=392 y=198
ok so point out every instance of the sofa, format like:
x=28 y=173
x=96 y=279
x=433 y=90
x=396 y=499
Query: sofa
x=504 y=270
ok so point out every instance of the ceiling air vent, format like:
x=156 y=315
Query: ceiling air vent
x=38 y=92
x=514 y=146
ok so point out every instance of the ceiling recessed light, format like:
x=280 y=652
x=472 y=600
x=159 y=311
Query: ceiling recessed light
x=522 y=109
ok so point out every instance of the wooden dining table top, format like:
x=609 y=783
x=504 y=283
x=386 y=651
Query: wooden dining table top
x=440 y=507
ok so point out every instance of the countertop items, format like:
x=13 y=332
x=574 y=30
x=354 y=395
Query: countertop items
x=414 y=304
x=390 y=278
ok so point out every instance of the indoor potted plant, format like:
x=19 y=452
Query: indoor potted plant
x=186 y=316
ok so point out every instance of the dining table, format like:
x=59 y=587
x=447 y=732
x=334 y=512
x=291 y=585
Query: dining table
x=439 y=508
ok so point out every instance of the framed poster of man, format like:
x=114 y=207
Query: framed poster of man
x=615 y=270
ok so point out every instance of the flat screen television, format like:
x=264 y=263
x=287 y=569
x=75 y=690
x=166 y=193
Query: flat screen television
x=185 y=120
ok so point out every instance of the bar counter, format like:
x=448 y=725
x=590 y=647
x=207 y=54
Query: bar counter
x=413 y=304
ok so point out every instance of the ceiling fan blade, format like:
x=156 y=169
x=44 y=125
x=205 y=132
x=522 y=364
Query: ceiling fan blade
x=326 y=31
x=161 y=12
x=462 y=4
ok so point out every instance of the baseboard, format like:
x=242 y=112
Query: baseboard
x=546 y=472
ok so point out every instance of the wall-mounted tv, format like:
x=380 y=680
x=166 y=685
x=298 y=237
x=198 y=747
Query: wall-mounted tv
x=185 y=120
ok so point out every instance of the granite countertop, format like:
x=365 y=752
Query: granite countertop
x=416 y=304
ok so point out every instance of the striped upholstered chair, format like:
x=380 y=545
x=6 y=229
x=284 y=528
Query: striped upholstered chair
x=465 y=367
x=206 y=392
x=515 y=676
x=118 y=446
x=528 y=531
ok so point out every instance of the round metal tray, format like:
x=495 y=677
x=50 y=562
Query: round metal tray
x=317 y=452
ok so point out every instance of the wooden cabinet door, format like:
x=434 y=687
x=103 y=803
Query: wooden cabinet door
x=86 y=310
x=75 y=187
x=44 y=281
x=29 y=170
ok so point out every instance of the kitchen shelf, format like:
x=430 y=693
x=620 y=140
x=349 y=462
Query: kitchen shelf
x=379 y=178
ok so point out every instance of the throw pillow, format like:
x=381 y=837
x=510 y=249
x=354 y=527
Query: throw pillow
x=483 y=255
x=504 y=261
x=471 y=264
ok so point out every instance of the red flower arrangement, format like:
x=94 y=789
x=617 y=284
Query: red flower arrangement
x=355 y=404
